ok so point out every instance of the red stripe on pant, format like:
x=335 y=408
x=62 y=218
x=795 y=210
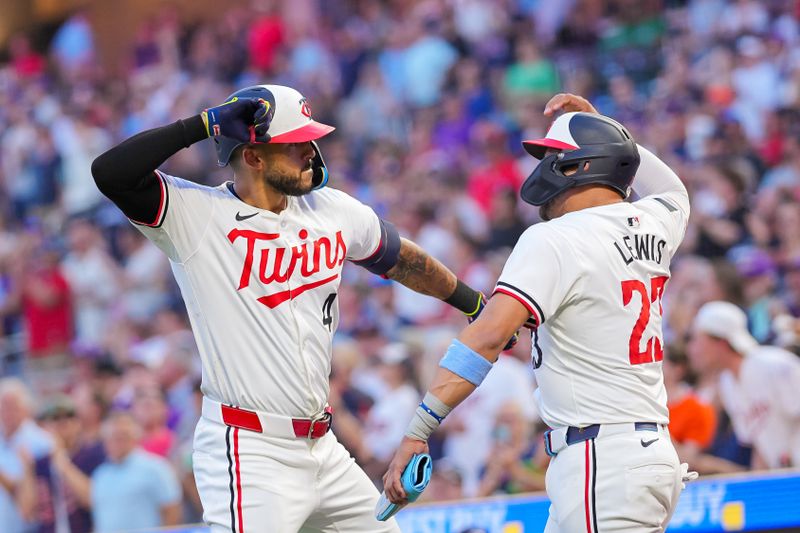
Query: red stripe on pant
x=238 y=479
x=586 y=500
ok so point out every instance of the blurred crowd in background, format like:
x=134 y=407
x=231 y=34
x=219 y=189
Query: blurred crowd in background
x=431 y=99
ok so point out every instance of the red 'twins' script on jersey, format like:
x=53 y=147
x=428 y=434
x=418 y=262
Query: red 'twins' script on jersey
x=307 y=256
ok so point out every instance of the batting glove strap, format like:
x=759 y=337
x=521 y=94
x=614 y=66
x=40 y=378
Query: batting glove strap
x=415 y=479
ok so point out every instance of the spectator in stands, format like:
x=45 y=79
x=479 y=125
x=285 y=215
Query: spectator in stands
x=517 y=462
x=21 y=442
x=150 y=411
x=759 y=275
x=18 y=430
x=132 y=489
x=384 y=427
x=94 y=279
x=46 y=306
x=176 y=375
x=757 y=384
x=445 y=483
x=145 y=276
x=53 y=504
x=470 y=426
x=692 y=421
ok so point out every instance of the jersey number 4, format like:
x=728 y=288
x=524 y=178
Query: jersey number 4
x=654 y=350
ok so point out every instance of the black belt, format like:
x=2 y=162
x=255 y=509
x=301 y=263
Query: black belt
x=576 y=435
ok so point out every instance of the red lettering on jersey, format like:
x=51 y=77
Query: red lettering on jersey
x=271 y=268
x=252 y=237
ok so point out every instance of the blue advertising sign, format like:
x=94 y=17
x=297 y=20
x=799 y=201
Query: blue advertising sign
x=741 y=503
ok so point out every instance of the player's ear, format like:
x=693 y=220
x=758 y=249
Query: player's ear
x=252 y=157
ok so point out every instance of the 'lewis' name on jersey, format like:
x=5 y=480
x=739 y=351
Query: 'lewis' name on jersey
x=641 y=247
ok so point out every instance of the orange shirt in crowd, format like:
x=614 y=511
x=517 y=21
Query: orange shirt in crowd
x=692 y=420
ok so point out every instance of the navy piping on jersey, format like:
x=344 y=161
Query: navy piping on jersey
x=527 y=297
x=230 y=475
x=594 y=483
x=229 y=185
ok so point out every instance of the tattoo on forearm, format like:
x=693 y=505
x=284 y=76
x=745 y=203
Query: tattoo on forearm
x=422 y=273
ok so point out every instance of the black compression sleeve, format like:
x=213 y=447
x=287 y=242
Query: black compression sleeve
x=126 y=173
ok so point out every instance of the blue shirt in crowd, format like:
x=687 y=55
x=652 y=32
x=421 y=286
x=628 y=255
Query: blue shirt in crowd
x=129 y=495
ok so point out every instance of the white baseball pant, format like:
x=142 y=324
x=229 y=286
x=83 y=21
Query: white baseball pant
x=274 y=482
x=624 y=480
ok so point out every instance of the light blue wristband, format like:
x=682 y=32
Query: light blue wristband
x=465 y=362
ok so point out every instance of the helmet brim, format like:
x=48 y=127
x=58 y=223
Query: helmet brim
x=311 y=131
x=538 y=147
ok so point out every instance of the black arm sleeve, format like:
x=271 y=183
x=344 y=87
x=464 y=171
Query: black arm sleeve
x=126 y=173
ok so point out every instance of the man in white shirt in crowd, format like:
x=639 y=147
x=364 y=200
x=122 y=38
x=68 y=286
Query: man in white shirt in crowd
x=757 y=384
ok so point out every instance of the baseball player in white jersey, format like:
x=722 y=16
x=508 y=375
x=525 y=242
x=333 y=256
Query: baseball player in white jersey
x=757 y=384
x=589 y=282
x=259 y=261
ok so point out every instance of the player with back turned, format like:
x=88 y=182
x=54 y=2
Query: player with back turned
x=589 y=283
x=259 y=261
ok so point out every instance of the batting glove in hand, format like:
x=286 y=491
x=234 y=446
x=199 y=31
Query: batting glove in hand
x=687 y=475
x=244 y=119
x=473 y=316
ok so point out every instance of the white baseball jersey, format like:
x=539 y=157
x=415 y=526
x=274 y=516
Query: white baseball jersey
x=260 y=287
x=593 y=280
x=762 y=403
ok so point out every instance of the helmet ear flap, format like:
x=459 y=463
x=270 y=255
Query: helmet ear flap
x=320 y=177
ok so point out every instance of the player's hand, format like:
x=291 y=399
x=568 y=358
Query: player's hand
x=392 y=485
x=568 y=103
x=472 y=317
x=244 y=119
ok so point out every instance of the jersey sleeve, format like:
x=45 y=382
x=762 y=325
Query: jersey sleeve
x=538 y=273
x=364 y=228
x=184 y=214
x=662 y=194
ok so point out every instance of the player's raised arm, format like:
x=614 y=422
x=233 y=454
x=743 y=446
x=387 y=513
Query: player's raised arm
x=463 y=367
x=126 y=172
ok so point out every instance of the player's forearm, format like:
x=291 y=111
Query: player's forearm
x=126 y=165
x=420 y=272
x=450 y=388
x=654 y=176
x=485 y=340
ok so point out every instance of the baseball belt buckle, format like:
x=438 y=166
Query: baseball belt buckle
x=323 y=418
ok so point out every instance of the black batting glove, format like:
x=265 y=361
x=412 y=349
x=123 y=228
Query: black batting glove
x=244 y=119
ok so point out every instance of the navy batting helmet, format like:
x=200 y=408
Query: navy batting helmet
x=599 y=149
x=292 y=122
